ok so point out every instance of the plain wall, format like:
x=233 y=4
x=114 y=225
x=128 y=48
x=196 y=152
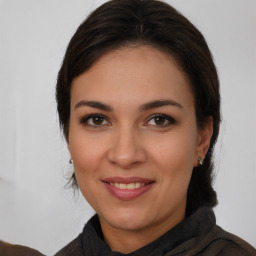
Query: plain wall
x=35 y=209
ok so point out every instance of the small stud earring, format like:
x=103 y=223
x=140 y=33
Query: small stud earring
x=71 y=161
x=200 y=161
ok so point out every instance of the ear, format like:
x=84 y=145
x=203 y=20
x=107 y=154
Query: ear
x=203 y=140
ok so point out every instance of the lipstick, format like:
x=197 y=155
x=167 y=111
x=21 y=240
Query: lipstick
x=127 y=188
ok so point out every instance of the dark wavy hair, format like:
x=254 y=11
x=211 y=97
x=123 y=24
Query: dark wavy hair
x=129 y=23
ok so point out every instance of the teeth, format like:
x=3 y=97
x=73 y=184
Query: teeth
x=117 y=185
x=138 y=185
x=122 y=186
x=130 y=186
x=127 y=186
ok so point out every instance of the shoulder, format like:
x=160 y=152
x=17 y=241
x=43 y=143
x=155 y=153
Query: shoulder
x=222 y=243
x=7 y=249
x=233 y=244
x=87 y=239
x=75 y=247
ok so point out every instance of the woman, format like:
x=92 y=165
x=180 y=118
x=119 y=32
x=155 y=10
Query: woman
x=138 y=100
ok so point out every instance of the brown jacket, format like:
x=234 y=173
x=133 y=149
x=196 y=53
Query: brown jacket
x=198 y=235
x=7 y=249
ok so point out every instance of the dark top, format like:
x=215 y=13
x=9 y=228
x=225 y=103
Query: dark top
x=197 y=235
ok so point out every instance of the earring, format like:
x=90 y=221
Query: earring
x=200 y=161
x=71 y=161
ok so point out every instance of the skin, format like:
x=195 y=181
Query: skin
x=129 y=141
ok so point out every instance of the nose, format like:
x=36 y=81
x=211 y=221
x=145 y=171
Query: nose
x=127 y=149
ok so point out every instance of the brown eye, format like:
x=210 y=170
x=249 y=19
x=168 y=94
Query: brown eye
x=95 y=120
x=160 y=120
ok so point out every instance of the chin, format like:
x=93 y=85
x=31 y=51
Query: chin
x=127 y=219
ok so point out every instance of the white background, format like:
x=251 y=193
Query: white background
x=35 y=210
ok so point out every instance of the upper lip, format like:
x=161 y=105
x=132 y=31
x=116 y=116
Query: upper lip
x=127 y=180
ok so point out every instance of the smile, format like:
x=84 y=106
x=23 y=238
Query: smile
x=127 y=188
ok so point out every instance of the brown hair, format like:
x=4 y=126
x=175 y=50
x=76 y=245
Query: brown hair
x=127 y=23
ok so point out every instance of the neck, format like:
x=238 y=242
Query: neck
x=127 y=241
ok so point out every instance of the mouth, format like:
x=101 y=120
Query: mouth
x=127 y=188
x=129 y=185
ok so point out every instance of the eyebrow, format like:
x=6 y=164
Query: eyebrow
x=94 y=104
x=158 y=104
x=144 y=107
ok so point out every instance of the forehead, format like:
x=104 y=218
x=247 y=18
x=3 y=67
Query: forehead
x=132 y=74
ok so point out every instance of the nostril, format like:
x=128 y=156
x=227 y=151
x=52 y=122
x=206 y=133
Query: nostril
x=126 y=151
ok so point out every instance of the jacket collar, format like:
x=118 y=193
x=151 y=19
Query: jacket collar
x=197 y=224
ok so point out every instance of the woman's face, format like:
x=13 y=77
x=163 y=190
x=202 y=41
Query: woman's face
x=134 y=140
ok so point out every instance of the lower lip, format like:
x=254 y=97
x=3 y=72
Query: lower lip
x=127 y=194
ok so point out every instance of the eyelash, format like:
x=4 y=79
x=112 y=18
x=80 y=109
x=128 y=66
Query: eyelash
x=85 y=120
x=167 y=118
x=170 y=120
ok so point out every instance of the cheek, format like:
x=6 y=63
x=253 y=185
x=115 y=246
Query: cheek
x=174 y=159
x=175 y=151
x=87 y=153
